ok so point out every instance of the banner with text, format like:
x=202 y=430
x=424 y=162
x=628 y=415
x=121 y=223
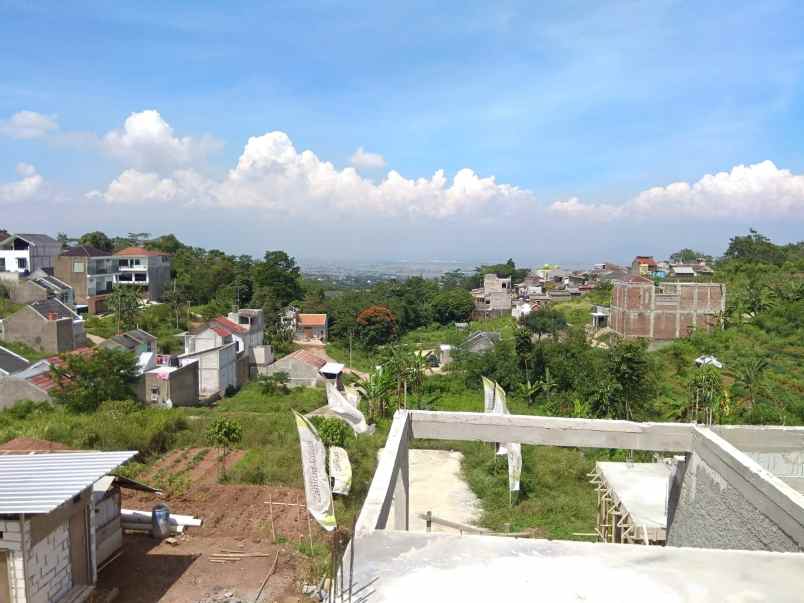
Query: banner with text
x=316 y=480
x=340 y=470
x=514 y=465
x=341 y=407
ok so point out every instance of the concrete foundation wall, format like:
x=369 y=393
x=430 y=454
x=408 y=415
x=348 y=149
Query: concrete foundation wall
x=48 y=336
x=727 y=501
x=49 y=566
x=12 y=543
x=12 y=390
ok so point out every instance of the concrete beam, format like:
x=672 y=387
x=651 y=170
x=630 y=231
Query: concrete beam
x=759 y=438
x=770 y=495
x=391 y=470
x=552 y=431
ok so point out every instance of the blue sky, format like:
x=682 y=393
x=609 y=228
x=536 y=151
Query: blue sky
x=193 y=117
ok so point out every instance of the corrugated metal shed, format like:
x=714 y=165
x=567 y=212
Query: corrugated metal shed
x=38 y=483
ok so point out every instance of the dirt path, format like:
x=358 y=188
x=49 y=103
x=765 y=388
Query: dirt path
x=436 y=485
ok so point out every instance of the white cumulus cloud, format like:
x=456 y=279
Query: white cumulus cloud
x=28 y=124
x=760 y=190
x=147 y=141
x=24 y=189
x=363 y=159
x=272 y=175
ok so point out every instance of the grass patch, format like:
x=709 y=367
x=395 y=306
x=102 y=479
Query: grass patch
x=24 y=350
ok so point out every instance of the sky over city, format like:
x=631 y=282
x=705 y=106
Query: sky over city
x=563 y=131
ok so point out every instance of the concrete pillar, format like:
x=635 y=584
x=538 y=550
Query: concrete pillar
x=402 y=487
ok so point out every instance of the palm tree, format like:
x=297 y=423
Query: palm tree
x=750 y=374
x=375 y=388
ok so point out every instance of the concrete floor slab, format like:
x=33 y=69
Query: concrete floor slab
x=641 y=489
x=401 y=567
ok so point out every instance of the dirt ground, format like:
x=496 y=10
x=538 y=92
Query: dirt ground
x=235 y=517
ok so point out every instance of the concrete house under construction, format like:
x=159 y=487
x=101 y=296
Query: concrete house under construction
x=668 y=311
x=731 y=496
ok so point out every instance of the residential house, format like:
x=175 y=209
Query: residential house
x=311 y=327
x=34 y=382
x=170 y=385
x=38 y=286
x=600 y=317
x=48 y=326
x=216 y=367
x=144 y=267
x=480 y=341
x=494 y=298
x=11 y=362
x=27 y=253
x=669 y=311
x=643 y=265
x=90 y=272
x=306 y=369
x=48 y=547
x=136 y=341
x=690 y=272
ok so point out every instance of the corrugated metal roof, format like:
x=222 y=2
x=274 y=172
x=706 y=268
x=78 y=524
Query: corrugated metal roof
x=39 y=483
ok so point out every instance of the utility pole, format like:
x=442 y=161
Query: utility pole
x=350 y=348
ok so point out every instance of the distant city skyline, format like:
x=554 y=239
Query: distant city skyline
x=573 y=133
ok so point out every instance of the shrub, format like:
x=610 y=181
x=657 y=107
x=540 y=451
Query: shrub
x=333 y=432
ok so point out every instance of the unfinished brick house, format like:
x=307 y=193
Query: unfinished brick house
x=664 y=312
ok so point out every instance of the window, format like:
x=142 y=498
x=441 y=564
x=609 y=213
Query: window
x=2 y=264
x=22 y=263
x=154 y=394
x=78 y=266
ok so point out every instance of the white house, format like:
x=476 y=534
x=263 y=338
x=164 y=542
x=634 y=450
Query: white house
x=27 y=253
x=217 y=369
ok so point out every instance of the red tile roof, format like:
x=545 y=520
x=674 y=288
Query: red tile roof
x=139 y=251
x=645 y=259
x=312 y=320
x=309 y=358
x=229 y=325
x=45 y=380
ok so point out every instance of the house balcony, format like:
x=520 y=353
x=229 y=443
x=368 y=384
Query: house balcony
x=138 y=268
x=132 y=278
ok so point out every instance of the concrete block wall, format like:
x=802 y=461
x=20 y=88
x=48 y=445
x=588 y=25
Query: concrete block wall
x=727 y=501
x=49 y=568
x=12 y=542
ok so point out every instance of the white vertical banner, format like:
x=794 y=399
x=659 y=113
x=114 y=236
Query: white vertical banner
x=316 y=480
x=352 y=396
x=341 y=407
x=500 y=408
x=488 y=394
x=340 y=470
x=514 y=451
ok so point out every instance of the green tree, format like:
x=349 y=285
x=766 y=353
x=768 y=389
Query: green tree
x=544 y=321
x=705 y=394
x=279 y=273
x=754 y=247
x=97 y=239
x=749 y=374
x=224 y=434
x=452 y=305
x=634 y=376
x=375 y=389
x=276 y=383
x=376 y=325
x=688 y=256
x=84 y=381
x=125 y=302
